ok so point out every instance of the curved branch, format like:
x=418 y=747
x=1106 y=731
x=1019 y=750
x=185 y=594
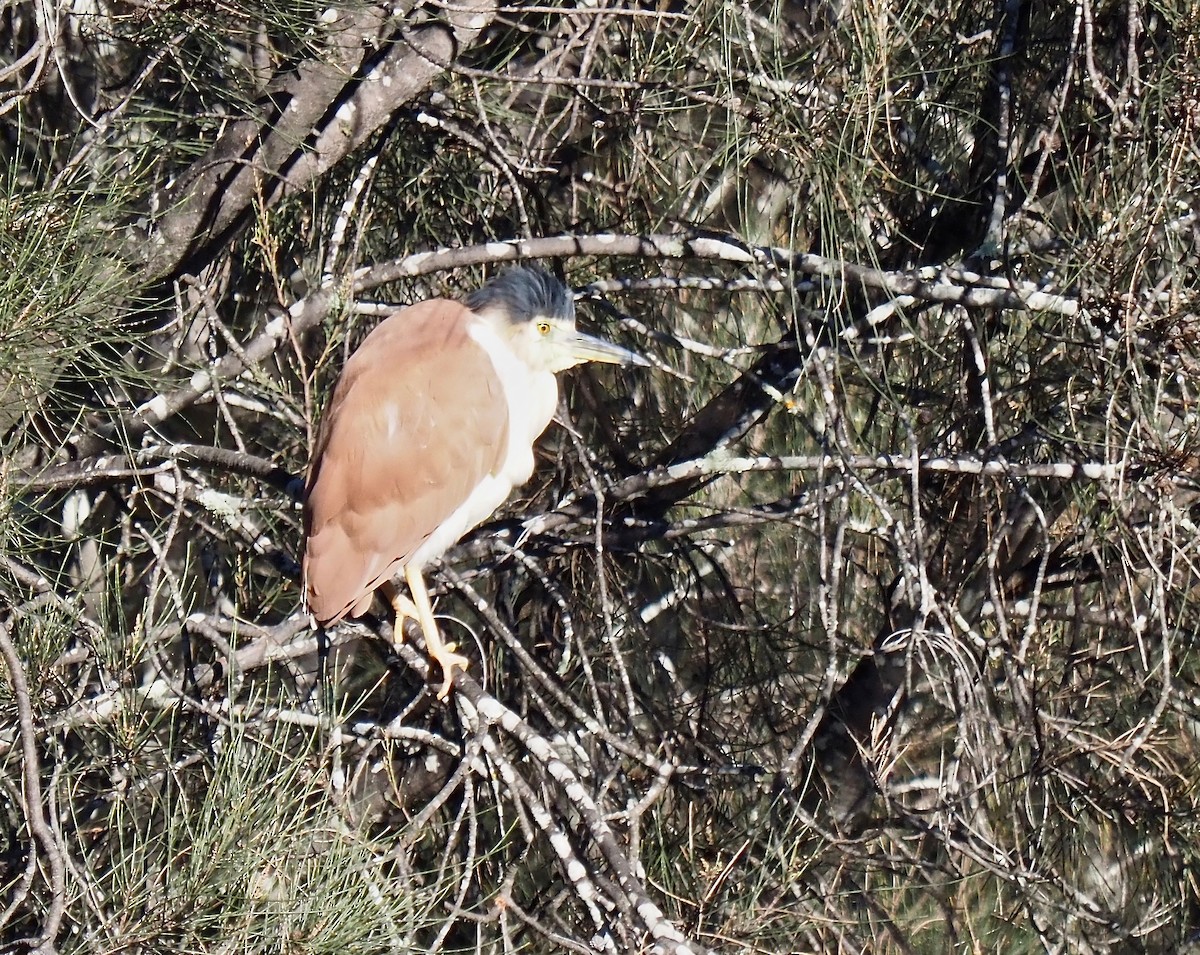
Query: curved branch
x=926 y=284
x=950 y=286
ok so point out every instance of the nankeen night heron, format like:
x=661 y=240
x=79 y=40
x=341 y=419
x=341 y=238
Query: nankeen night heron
x=431 y=425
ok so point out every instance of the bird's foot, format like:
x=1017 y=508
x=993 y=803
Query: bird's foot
x=421 y=608
x=449 y=662
x=404 y=609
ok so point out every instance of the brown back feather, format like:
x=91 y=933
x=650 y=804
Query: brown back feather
x=374 y=496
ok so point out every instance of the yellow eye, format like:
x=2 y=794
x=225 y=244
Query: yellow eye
x=543 y=328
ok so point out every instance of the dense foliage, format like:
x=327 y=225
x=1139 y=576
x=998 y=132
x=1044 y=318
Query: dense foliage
x=862 y=622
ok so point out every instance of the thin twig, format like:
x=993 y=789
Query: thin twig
x=35 y=815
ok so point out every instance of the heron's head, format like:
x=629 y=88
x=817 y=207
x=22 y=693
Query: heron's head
x=535 y=313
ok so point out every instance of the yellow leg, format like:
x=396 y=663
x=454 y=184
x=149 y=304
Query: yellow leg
x=422 y=610
x=404 y=609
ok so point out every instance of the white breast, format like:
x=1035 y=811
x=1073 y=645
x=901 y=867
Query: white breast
x=532 y=399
